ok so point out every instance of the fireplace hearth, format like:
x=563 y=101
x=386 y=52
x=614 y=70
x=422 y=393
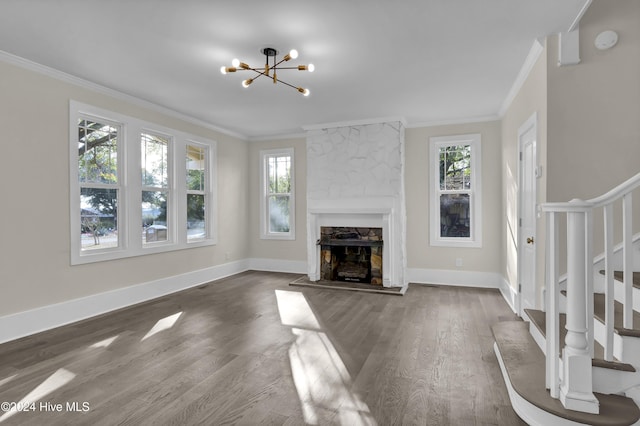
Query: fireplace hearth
x=351 y=254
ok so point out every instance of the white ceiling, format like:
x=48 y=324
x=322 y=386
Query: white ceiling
x=426 y=61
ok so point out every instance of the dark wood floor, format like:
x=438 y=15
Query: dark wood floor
x=250 y=349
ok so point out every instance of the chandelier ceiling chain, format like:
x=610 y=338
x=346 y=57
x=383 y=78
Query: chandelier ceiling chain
x=268 y=70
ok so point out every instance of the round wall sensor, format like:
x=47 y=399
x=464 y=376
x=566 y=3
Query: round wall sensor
x=606 y=40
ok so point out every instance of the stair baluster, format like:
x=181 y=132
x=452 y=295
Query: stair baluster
x=627 y=237
x=552 y=304
x=609 y=291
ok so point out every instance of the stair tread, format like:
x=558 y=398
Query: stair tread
x=523 y=361
x=619 y=275
x=539 y=319
x=599 y=313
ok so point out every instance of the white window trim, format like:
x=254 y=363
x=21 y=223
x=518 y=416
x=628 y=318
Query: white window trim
x=475 y=199
x=264 y=227
x=169 y=190
x=130 y=188
x=210 y=193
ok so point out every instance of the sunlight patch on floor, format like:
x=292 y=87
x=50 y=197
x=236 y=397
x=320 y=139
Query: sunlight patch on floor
x=104 y=343
x=163 y=324
x=295 y=311
x=321 y=379
x=52 y=383
x=7 y=380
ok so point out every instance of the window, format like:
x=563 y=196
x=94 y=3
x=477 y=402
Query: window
x=99 y=182
x=129 y=194
x=277 y=209
x=154 y=150
x=196 y=192
x=455 y=195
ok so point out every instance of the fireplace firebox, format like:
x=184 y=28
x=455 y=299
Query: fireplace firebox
x=351 y=254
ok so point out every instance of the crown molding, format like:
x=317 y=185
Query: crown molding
x=534 y=53
x=576 y=21
x=278 y=137
x=85 y=84
x=351 y=123
x=466 y=120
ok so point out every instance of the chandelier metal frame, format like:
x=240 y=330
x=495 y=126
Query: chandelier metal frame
x=268 y=70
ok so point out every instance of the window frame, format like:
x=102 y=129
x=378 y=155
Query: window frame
x=130 y=189
x=208 y=192
x=168 y=190
x=118 y=186
x=264 y=195
x=475 y=191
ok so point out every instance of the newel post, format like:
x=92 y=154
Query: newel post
x=576 y=391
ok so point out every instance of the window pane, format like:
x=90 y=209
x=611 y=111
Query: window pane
x=279 y=213
x=154 y=160
x=195 y=168
x=279 y=173
x=97 y=152
x=196 y=228
x=454 y=215
x=98 y=218
x=455 y=167
x=154 y=216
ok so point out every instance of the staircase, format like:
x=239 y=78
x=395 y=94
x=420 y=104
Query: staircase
x=577 y=360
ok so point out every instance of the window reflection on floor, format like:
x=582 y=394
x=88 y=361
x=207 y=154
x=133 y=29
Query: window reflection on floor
x=321 y=378
x=163 y=324
x=58 y=379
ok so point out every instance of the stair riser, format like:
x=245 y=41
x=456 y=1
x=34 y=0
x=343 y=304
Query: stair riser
x=606 y=380
x=625 y=348
x=616 y=261
x=599 y=287
x=535 y=333
x=618 y=290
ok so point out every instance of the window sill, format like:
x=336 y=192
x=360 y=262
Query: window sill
x=454 y=243
x=88 y=257
x=284 y=237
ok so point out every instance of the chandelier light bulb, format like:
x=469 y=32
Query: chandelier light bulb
x=269 y=70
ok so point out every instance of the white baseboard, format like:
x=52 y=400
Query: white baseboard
x=47 y=317
x=278 y=265
x=509 y=293
x=454 y=278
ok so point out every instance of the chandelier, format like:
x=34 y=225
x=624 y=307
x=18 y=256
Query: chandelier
x=270 y=71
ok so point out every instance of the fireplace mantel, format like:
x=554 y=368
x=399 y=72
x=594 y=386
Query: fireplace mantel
x=381 y=212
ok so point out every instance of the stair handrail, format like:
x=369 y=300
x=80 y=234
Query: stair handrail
x=613 y=195
x=616 y=193
x=580 y=290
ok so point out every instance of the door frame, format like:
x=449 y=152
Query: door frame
x=530 y=124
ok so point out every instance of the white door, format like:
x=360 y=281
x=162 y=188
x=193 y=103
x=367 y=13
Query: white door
x=527 y=201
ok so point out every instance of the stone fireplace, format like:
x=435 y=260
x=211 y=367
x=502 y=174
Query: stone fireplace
x=355 y=187
x=351 y=254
